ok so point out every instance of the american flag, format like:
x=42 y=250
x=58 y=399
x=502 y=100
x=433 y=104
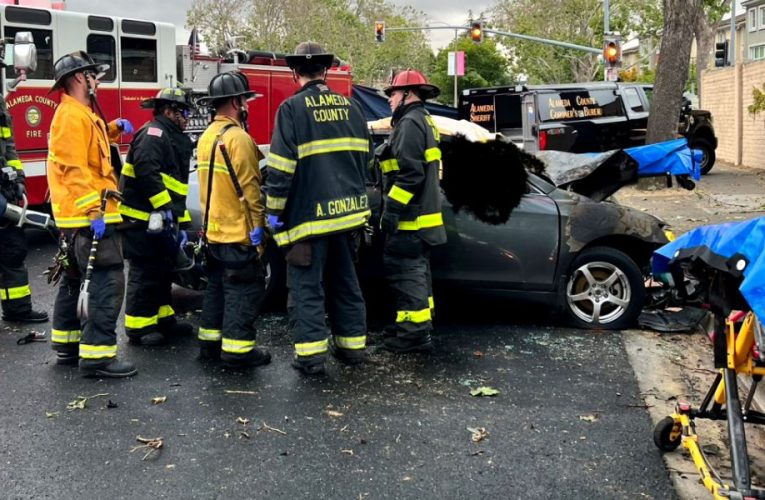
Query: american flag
x=194 y=42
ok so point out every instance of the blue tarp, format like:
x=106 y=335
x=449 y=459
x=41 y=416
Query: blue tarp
x=733 y=247
x=375 y=105
x=670 y=157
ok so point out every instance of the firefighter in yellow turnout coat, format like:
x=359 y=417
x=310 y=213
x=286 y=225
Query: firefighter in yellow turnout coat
x=229 y=187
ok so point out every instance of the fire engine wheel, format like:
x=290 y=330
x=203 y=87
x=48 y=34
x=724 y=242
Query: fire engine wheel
x=604 y=289
x=667 y=435
x=708 y=160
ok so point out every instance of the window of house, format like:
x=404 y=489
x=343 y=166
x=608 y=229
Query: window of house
x=44 y=44
x=139 y=59
x=757 y=52
x=102 y=49
x=761 y=10
x=752 y=19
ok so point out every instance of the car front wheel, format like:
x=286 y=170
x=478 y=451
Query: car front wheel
x=604 y=289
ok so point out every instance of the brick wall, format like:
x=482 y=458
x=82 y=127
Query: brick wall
x=726 y=93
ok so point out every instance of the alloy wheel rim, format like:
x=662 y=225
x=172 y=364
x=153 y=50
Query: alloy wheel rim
x=598 y=292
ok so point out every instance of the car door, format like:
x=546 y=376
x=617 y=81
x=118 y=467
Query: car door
x=520 y=254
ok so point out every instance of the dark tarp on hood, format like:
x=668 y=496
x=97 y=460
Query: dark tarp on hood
x=375 y=105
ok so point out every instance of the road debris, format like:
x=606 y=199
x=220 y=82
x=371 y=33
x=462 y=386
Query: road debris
x=477 y=433
x=82 y=401
x=589 y=418
x=32 y=336
x=246 y=393
x=152 y=444
x=110 y=405
x=51 y=414
x=484 y=391
x=242 y=420
x=158 y=400
x=266 y=427
x=347 y=452
x=478 y=354
x=333 y=413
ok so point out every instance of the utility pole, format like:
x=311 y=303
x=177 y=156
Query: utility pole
x=456 y=98
x=606 y=29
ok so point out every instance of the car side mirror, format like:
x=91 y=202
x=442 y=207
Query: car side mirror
x=24 y=57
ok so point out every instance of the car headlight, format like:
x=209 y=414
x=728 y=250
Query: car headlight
x=671 y=236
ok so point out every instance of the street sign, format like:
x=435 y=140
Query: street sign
x=456 y=65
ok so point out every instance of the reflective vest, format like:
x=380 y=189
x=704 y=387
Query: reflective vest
x=228 y=221
x=79 y=165
x=411 y=164
x=317 y=163
x=156 y=172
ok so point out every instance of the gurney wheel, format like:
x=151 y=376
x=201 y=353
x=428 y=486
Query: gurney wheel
x=667 y=435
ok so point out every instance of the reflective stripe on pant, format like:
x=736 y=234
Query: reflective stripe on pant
x=405 y=259
x=231 y=302
x=98 y=338
x=15 y=294
x=149 y=283
x=331 y=270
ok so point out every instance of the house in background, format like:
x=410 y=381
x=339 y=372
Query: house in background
x=755 y=29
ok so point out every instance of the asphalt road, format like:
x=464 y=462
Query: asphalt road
x=568 y=422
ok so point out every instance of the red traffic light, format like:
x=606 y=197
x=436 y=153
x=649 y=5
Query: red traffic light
x=476 y=31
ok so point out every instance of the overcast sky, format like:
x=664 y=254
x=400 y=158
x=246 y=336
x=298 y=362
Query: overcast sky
x=174 y=11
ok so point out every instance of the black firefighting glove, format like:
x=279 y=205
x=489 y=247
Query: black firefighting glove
x=389 y=221
x=21 y=188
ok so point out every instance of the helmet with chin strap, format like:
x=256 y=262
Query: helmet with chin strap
x=410 y=79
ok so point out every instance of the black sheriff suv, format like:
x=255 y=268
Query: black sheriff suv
x=580 y=117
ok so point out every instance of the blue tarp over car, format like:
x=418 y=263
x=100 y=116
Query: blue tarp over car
x=734 y=247
x=670 y=157
x=375 y=104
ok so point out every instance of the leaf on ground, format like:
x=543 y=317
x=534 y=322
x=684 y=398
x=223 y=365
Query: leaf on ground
x=51 y=414
x=484 y=391
x=589 y=418
x=333 y=413
x=158 y=400
x=242 y=420
x=78 y=404
x=477 y=433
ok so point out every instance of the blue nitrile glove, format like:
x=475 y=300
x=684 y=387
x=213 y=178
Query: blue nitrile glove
x=256 y=236
x=183 y=238
x=274 y=222
x=125 y=125
x=98 y=226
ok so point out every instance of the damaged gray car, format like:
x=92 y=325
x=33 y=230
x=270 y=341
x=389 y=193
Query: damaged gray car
x=538 y=229
x=522 y=228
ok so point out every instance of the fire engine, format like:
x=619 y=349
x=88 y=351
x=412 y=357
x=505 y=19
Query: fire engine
x=143 y=57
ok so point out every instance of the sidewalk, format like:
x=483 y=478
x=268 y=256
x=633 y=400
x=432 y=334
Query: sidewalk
x=672 y=368
x=728 y=193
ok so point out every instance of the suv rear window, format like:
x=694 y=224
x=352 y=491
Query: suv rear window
x=578 y=105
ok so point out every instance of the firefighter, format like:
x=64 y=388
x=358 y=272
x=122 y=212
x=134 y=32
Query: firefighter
x=154 y=180
x=411 y=217
x=316 y=203
x=15 y=293
x=233 y=214
x=80 y=176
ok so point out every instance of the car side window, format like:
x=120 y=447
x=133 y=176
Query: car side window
x=633 y=99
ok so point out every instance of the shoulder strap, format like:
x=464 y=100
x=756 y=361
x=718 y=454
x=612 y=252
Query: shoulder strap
x=211 y=176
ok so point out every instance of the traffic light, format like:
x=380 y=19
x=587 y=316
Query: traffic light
x=380 y=31
x=476 y=31
x=612 y=52
x=721 y=54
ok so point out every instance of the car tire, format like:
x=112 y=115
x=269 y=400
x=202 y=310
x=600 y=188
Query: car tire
x=604 y=289
x=709 y=154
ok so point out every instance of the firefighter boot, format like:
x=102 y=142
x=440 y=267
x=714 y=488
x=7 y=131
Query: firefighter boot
x=310 y=365
x=256 y=357
x=398 y=345
x=149 y=339
x=30 y=316
x=209 y=351
x=107 y=368
x=177 y=329
x=67 y=357
x=348 y=356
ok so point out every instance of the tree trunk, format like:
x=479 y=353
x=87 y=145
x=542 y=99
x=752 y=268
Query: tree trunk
x=671 y=74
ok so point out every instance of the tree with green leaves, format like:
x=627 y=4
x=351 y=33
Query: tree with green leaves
x=345 y=27
x=485 y=66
